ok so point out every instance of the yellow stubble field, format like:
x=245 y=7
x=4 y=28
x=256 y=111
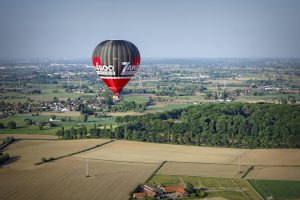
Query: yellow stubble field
x=66 y=178
x=270 y=164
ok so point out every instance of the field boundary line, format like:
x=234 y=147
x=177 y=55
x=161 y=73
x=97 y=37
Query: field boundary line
x=74 y=153
x=235 y=164
x=155 y=171
x=121 y=161
x=6 y=144
x=248 y=171
x=151 y=175
x=208 y=163
x=38 y=139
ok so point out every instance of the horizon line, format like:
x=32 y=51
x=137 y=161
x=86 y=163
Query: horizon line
x=151 y=58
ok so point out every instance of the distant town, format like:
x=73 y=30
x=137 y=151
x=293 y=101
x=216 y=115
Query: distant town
x=67 y=85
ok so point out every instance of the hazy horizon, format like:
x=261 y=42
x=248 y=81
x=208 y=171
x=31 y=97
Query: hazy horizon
x=160 y=29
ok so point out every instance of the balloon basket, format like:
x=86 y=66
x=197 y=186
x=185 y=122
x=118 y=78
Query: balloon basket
x=117 y=98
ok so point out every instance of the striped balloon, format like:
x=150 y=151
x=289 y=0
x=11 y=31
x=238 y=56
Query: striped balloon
x=116 y=62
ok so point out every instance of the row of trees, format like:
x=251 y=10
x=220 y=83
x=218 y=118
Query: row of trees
x=82 y=132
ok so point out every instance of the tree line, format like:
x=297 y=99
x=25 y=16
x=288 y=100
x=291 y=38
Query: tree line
x=82 y=132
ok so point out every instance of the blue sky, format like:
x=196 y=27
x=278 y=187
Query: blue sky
x=159 y=28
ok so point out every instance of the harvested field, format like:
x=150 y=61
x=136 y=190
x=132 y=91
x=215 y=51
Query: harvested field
x=271 y=157
x=204 y=170
x=116 y=168
x=156 y=153
x=204 y=161
x=25 y=153
x=274 y=173
x=28 y=136
x=153 y=152
x=65 y=179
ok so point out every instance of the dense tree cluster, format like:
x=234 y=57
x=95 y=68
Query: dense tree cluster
x=231 y=125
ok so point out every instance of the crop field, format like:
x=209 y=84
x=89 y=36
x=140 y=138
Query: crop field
x=25 y=153
x=204 y=170
x=271 y=157
x=47 y=94
x=231 y=171
x=281 y=164
x=62 y=114
x=130 y=151
x=265 y=98
x=275 y=173
x=159 y=107
x=223 y=188
x=136 y=98
x=153 y=152
x=65 y=179
x=277 y=190
x=116 y=168
x=114 y=114
x=22 y=128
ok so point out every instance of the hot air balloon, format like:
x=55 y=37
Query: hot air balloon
x=116 y=62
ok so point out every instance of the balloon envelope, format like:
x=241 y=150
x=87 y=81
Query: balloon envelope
x=116 y=62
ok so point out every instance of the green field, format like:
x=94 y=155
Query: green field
x=136 y=98
x=278 y=190
x=229 y=188
x=167 y=107
x=22 y=128
x=266 y=97
x=47 y=94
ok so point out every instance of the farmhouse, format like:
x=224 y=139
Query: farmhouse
x=178 y=190
x=164 y=191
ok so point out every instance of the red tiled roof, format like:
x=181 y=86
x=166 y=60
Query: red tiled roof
x=181 y=191
x=171 y=189
x=150 y=193
x=139 y=195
